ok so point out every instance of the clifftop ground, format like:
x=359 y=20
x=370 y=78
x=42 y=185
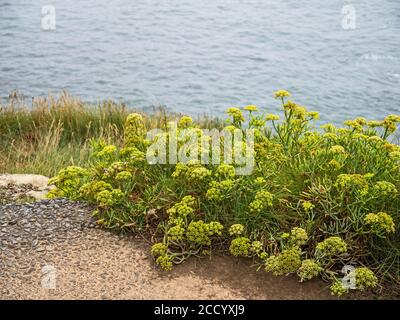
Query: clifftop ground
x=92 y=263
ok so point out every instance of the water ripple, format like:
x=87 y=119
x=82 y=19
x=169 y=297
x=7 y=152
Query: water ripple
x=205 y=56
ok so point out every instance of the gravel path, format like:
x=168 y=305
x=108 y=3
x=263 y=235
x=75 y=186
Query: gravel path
x=52 y=249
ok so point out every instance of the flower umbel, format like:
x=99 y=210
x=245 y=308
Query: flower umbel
x=288 y=261
x=236 y=230
x=332 y=246
x=309 y=269
x=380 y=223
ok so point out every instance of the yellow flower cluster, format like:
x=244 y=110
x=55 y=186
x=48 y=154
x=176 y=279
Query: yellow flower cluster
x=334 y=164
x=352 y=182
x=329 y=127
x=356 y=124
x=236 y=230
x=199 y=232
x=176 y=233
x=57 y=193
x=107 y=151
x=374 y=123
x=307 y=206
x=365 y=278
x=375 y=139
x=132 y=154
x=395 y=155
x=236 y=115
x=158 y=249
x=281 y=94
x=183 y=208
x=185 y=122
x=389 y=124
x=68 y=182
x=385 y=188
x=198 y=173
x=285 y=235
x=91 y=189
x=288 y=261
x=331 y=247
x=124 y=176
x=191 y=171
x=256 y=248
x=257 y=122
x=113 y=169
x=298 y=236
x=135 y=131
x=309 y=269
x=380 y=223
x=263 y=199
x=218 y=190
x=291 y=106
x=393 y=117
x=215 y=228
x=313 y=114
x=108 y=198
x=69 y=173
x=251 y=108
x=230 y=128
x=225 y=171
x=271 y=117
x=300 y=114
x=330 y=136
x=240 y=247
x=337 y=149
x=260 y=181
x=164 y=262
x=338 y=289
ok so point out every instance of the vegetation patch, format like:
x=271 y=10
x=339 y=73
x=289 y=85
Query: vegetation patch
x=318 y=198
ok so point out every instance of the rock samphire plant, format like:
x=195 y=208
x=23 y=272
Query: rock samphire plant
x=317 y=198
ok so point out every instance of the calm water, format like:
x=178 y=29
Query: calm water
x=204 y=56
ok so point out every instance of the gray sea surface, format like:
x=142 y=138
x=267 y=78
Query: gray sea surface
x=341 y=58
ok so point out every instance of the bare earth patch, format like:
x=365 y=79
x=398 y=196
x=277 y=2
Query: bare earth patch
x=92 y=263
